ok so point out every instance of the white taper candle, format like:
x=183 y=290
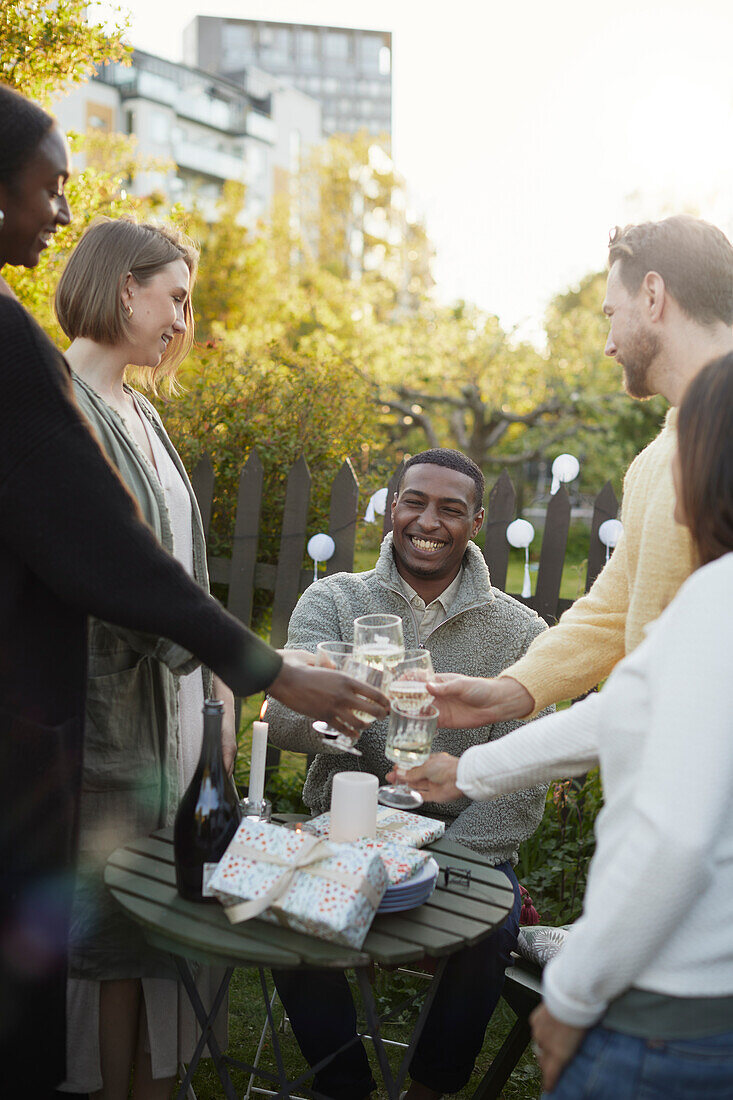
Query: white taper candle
x=256 y=790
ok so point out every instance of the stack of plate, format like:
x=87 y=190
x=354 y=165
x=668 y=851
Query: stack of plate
x=410 y=894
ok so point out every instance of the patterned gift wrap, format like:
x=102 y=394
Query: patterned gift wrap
x=299 y=880
x=396 y=826
x=401 y=861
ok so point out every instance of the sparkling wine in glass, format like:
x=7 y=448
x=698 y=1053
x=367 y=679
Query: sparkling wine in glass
x=409 y=741
x=408 y=686
x=335 y=655
x=379 y=642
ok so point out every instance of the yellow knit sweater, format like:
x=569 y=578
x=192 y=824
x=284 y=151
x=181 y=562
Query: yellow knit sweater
x=652 y=559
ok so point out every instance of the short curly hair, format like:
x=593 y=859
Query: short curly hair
x=453 y=460
x=694 y=258
x=23 y=126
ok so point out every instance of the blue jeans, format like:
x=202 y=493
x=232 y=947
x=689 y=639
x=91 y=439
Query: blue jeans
x=323 y=1016
x=610 y=1065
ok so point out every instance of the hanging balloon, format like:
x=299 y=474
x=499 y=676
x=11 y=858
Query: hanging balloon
x=609 y=533
x=376 y=506
x=321 y=547
x=565 y=468
x=520 y=534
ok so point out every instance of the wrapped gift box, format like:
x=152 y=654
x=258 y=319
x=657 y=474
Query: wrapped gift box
x=303 y=881
x=396 y=826
x=401 y=861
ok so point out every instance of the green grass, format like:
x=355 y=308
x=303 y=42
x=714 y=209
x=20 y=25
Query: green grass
x=247 y=1017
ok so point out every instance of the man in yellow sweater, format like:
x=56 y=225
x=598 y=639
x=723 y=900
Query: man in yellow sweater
x=669 y=300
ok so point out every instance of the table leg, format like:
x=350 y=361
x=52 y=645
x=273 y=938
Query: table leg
x=420 y=1022
x=393 y=1085
x=207 y=1034
x=273 y=1031
x=375 y=1030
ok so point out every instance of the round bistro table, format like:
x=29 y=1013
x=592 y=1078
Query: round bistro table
x=470 y=901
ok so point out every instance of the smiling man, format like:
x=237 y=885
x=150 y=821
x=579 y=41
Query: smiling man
x=431 y=574
x=669 y=301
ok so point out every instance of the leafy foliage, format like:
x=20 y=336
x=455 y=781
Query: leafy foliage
x=46 y=45
x=312 y=344
x=282 y=402
x=553 y=863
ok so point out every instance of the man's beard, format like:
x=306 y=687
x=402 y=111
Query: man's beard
x=637 y=360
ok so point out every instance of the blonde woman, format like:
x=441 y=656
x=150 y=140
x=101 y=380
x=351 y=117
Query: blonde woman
x=124 y=301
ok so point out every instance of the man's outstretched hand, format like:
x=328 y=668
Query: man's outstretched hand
x=466 y=702
x=327 y=694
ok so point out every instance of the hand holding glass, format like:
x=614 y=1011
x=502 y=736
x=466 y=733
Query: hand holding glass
x=341 y=655
x=334 y=655
x=409 y=740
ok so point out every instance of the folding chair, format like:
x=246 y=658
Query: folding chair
x=522 y=992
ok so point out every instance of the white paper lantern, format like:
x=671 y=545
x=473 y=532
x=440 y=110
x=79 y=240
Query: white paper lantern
x=565 y=468
x=520 y=534
x=376 y=506
x=609 y=533
x=321 y=547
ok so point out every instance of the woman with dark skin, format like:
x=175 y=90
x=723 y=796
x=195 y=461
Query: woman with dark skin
x=72 y=543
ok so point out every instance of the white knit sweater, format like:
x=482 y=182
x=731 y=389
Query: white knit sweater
x=658 y=910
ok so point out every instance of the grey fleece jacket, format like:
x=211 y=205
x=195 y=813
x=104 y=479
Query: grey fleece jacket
x=485 y=632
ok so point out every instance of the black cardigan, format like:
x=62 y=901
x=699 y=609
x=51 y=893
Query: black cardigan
x=72 y=543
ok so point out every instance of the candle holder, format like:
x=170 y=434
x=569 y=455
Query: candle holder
x=256 y=809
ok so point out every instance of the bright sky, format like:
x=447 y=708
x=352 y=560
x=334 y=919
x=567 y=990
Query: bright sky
x=526 y=130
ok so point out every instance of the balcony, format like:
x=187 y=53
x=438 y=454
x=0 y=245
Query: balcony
x=261 y=127
x=209 y=162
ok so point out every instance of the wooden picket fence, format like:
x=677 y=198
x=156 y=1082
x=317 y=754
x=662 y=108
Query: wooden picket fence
x=242 y=573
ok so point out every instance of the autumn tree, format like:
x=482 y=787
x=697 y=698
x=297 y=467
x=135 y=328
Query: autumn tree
x=353 y=217
x=462 y=381
x=46 y=45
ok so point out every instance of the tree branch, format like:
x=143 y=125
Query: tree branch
x=421 y=419
x=537 y=451
x=458 y=425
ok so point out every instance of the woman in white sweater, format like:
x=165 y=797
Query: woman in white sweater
x=639 y=1002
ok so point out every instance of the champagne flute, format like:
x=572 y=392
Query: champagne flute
x=409 y=740
x=408 y=686
x=378 y=640
x=335 y=655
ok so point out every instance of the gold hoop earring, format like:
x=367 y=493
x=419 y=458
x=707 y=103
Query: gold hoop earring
x=128 y=310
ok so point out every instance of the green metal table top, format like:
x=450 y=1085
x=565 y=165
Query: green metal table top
x=141 y=876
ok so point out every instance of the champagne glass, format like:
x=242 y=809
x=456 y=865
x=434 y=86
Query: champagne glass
x=335 y=655
x=378 y=640
x=409 y=740
x=408 y=686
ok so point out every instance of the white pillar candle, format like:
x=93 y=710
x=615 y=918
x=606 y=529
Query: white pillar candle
x=256 y=790
x=353 y=806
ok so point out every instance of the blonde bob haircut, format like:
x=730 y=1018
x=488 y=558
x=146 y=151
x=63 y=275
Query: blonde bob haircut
x=88 y=298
